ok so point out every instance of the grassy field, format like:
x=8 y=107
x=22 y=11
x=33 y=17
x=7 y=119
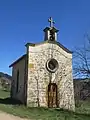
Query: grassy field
x=82 y=112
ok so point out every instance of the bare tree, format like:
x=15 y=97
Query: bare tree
x=81 y=60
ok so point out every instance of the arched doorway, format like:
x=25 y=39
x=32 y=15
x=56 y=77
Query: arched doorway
x=52 y=95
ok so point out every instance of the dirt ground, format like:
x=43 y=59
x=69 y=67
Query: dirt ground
x=5 y=116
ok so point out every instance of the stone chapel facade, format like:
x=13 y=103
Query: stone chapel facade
x=43 y=76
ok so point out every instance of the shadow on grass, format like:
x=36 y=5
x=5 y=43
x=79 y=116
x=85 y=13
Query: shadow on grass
x=40 y=112
x=10 y=101
x=67 y=112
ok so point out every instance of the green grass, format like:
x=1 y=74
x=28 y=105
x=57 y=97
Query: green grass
x=4 y=94
x=82 y=112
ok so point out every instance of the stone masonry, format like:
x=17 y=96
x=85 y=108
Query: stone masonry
x=39 y=77
x=43 y=76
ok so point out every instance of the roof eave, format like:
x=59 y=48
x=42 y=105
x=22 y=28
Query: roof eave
x=17 y=60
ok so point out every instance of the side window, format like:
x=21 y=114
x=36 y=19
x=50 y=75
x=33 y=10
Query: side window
x=17 y=81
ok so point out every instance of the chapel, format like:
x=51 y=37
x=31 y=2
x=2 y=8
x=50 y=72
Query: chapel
x=42 y=77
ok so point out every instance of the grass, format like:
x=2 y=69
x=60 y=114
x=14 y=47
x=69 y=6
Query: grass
x=4 y=94
x=82 y=112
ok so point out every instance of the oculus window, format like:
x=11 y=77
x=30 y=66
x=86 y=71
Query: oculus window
x=52 y=65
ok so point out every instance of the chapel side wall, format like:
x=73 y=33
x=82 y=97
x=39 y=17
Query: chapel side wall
x=38 y=74
x=20 y=94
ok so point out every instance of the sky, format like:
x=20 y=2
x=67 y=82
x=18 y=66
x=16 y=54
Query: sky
x=23 y=21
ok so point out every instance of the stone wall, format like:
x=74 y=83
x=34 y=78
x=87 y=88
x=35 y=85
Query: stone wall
x=20 y=94
x=39 y=77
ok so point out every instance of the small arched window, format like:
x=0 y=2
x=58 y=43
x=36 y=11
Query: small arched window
x=17 y=81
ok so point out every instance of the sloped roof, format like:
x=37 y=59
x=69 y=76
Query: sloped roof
x=23 y=56
x=32 y=44
x=53 y=42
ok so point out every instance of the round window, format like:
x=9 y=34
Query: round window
x=52 y=65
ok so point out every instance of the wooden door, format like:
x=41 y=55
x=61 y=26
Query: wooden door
x=52 y=95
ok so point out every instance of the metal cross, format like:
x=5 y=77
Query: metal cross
x=51 y=21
